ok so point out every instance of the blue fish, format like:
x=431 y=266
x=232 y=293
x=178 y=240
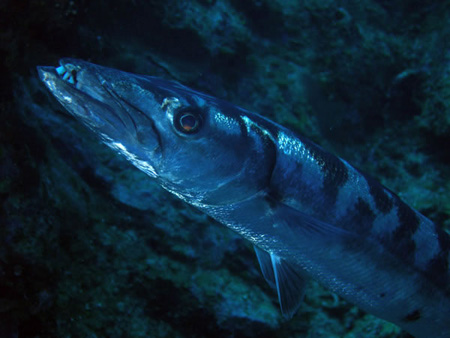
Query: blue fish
x=308 y=213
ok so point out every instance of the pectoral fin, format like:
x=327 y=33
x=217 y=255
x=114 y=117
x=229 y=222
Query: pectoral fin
x=289 y=283
x=265 y=262
x=307 y=225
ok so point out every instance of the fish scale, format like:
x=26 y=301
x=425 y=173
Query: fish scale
x=308 y=213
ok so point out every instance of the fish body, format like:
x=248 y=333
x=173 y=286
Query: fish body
x=309 y=214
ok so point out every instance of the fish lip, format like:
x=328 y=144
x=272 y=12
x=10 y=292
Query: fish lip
x=70 y=93
x=53 y=76
x=47 y=74
x=67 y=91
x=67 y=71
x=43 y=71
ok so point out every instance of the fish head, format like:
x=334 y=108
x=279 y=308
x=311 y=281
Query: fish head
x=204 y=150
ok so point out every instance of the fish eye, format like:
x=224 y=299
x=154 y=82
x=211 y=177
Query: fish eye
x=188 y=121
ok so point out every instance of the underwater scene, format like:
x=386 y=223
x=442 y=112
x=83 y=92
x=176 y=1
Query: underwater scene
x=167 y=168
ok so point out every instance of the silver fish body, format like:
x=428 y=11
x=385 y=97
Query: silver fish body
x=309 y=214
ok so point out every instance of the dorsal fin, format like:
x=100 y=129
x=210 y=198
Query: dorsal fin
x=281 y=275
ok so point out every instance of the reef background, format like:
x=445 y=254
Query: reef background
x=91 y=247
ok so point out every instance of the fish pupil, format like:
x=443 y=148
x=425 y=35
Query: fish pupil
x=188 y=122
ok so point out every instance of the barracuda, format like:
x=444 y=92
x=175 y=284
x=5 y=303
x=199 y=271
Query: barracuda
x=309 y=214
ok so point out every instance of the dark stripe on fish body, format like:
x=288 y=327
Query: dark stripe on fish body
x=382 y=200
x=437 y=270
x=401 y=240
x=443 y=239
x=438 y=267
x=335 y=178
x=365 y=217
x=334 y=170
x=408 y=219
x=270 y=154
x=360 y=218
x=330 y=165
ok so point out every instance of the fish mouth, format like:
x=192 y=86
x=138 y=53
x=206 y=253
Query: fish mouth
x=89 y=93
x=73 y=79
x=81 y=89
x=61 y=77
